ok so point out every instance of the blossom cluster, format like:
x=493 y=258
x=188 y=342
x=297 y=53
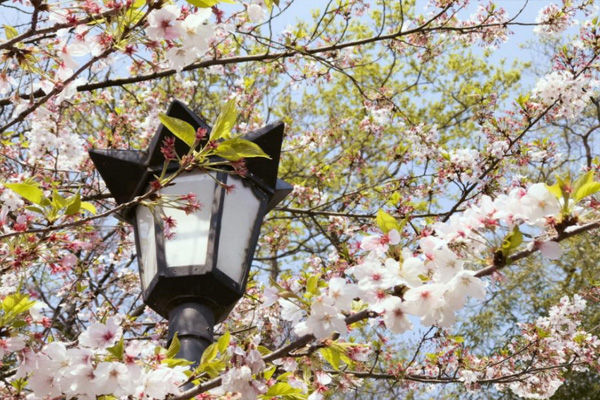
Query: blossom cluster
x=560 y=341
x=101 y=364
x=494 y=34
x=240 y=378
x=53 y=142
x=529 y=365
x=435 y=283
x=553 y=19
x=194 y=33
x=572 y=92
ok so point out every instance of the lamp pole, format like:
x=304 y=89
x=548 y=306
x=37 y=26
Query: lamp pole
x=193 y=322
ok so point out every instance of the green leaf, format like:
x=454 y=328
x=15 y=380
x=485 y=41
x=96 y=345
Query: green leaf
x=20 y=323
x=88 y=207
x=585 y=186
x=19 y=384
x=346 y=359
x=523 y=99
x=179 y=128
x=542 y=334
x=17 y=303
x=312 y=284
x=29 y=192
x=236 y=149
x=263 y=350
x=14 y=305
x=512 y=241
x=208 y=3
x=10 y=32
x=563 y=190
x=432 y=357
x=58 y=201
x=583 y=180
x=587 y=190
x=223 y=342
x=386 y=222
x=36 y=209
x=173 y=347
x=284 y=377
x=118 y=349
x=225 y=122
x=332 y=357
x=73 y=204
x=209 y=354
x=268 y=373
x=281 y=389
x=555 y=190
x=306 y=372
x=213 y=369
x=457 y=339
x=176 y=362
x=210 y=370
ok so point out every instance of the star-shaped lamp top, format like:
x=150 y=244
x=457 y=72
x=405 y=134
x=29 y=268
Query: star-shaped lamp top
x=127 y=173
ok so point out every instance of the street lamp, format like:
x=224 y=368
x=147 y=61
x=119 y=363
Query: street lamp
x=196 y=278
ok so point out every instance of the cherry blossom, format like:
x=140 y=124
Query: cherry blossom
x=164 y=381
x=163 y=24
x=323 y=321
x=342 y=293
x=256 y=13
x=6 y=83
x=394 y=316
x=464 y=284
x=11 y=344
x=380 y=244
x=101 y=336
x=551 y=250
x=541 y=203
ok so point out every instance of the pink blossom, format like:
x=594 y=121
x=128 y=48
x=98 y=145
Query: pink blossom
x=101 y=336
x=323 y=321
x=551 y=250
x=113 y=378
x=163 y=24
x=394 y=315
x=256 y=13
x=11 y=345
x=425 y=301
x=342 y=293
x=164 y=381
x=68 y=261
x=540 y=203
x=371 y=275
x=6 y=83
x=464 y=284
x=380 y=244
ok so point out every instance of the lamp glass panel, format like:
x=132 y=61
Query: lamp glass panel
x=241 y=209
x=189 y=245
x=147 y=240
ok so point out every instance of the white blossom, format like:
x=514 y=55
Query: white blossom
x=163 y=24
x=551 y=250
x=256 y=13
x=101 y=336
x=394 y=315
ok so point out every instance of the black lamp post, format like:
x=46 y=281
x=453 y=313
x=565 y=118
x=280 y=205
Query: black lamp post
x=196 y=278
